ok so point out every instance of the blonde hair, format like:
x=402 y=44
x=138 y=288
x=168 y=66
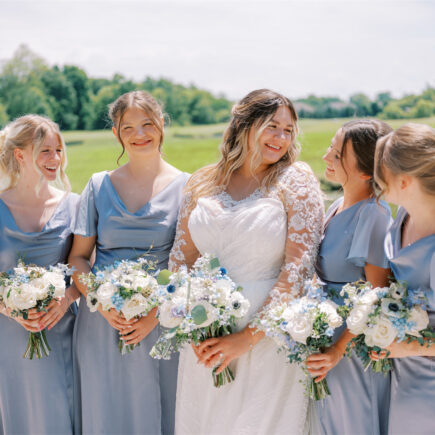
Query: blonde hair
x=142 y=100
x=255 y=111
x=408 y=150
x=24 y=131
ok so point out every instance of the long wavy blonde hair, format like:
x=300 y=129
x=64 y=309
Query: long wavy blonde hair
x=254 y=111
x=28 y=130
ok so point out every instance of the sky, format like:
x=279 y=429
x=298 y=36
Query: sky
x=299 y=47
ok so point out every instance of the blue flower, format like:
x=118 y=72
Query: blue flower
x=117 y=301
x=329 y=332
x=223 y=271
x=170 y=288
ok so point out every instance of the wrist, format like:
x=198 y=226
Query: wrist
x=252 y=335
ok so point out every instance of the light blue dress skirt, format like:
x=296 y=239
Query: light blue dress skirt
x=36 y=396
x=132 y=393
x=359 y=399
x=412 y=403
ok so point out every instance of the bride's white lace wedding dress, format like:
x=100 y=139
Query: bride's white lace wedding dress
x=267 y=242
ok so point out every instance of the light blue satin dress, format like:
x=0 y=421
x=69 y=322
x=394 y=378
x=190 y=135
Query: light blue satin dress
x=36 y=396
x=130 y=393
x=412 y=403
x=359 y=399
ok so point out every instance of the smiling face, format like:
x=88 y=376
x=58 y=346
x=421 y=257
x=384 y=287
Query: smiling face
x=138 y=132
x=275 y=139
x=47 y=161
x=340 y=169
x=50 y=157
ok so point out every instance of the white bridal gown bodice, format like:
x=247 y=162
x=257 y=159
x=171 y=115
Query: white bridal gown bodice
x=267 y=242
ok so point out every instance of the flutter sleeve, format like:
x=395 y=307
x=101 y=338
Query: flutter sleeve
x=87 y=214
x=369 y=235
x=303 y=202
x=184 y=250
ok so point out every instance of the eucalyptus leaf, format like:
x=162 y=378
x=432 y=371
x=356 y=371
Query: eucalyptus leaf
x=199 y=314
x=163 y=278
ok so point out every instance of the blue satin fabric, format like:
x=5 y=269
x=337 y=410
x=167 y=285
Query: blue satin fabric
x=359 y=399
x=117 y=393
x=36 y=396
x=413 y=378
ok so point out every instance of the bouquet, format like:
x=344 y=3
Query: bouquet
x=301 y=328
x=378 y=316
x=29 y=287
x=197 y=305
x=130 y=287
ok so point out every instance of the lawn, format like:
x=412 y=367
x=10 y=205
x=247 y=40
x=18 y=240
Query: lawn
x=189 y=148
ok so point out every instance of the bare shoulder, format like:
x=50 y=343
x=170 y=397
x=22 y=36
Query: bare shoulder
x=170 y=172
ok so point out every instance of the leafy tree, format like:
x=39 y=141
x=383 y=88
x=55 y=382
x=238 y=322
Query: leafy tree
x=4 y=119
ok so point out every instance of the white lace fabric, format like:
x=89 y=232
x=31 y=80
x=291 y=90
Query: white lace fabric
x=295 y=202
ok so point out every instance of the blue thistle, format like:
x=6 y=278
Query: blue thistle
x=170 y=288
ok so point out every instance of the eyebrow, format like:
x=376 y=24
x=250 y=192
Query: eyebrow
x=143 y=120
x=336 y=150
x=276 y=122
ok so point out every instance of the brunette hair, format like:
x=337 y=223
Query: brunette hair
x=362 y=134
x=142 y=100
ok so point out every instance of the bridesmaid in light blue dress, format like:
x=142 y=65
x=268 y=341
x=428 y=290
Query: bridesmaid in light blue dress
x=352 y=250
x=405 y=168
x=129 y=212
x=36 y=396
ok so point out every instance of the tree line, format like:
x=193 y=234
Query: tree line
x=77 y=102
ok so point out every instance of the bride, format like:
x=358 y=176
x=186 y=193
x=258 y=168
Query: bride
x=261 y=214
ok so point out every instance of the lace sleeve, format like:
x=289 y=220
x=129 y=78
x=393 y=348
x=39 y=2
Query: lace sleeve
x=184 y=250
x=303 y=202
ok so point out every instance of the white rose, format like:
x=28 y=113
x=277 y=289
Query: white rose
x=57 y=281
x=223 y=290
x=21 y=299
x=134 y=306
x=330 y=309
x=104 y=295
x=420 y=318
x=300 y=327
x=369 y=298
x=166 y=316
x=39 y=288
x=357 y=319
x=382 y=334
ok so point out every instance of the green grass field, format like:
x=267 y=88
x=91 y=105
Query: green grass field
x=189 y=148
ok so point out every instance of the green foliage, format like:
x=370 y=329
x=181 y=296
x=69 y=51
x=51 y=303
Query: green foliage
x=4 y=118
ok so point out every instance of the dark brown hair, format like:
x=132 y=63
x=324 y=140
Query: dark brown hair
x=362 y=134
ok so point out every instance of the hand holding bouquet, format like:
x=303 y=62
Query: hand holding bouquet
x=129 y=287
x=197 y=305
x=30 y=287
x=301 y=328
x=378 y=316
